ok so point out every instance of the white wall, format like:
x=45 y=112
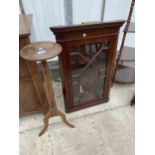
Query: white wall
x=116 y=10
x=19 y=11
x=86 y=10
x=46 y=13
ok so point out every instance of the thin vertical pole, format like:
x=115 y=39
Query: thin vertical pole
x=124 y=36
x=103 y=10
x=21 y=7
x=68 y=8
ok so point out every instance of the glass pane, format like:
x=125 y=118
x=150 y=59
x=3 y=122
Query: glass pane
x=88 y=71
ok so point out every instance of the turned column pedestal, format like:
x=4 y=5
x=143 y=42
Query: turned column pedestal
x=42 y=51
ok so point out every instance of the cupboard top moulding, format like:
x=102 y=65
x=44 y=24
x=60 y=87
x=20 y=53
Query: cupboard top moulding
x=73 y=31
x=87 y=26
x=76 y=32
x=87 y=62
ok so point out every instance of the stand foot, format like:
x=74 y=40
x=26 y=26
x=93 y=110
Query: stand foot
x=52 y=114
x=64 y=119
x=46 y=118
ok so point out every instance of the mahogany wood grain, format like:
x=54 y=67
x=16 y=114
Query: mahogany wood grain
x=77 y=36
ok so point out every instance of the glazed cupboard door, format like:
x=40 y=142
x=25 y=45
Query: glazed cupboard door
x=89 y=77
x=87 y=62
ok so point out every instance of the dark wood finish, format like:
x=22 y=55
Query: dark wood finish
x=75 y=39
x=31 y=95
x=130 y=27
x=42 y=51
x=87 y=26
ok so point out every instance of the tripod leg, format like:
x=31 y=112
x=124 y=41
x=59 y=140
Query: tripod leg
x=64 y=119
x=46 y=118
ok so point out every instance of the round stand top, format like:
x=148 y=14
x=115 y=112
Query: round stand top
x=40 y=51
